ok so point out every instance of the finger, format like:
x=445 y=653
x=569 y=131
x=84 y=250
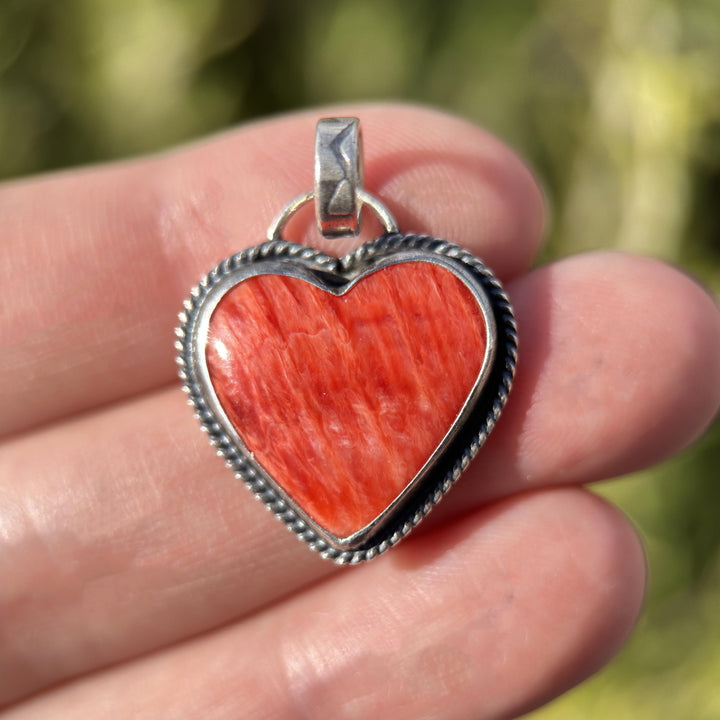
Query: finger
x=134 y=535
x=619 y=369
x=120 y=247
x=485 y=619
x=161 y=523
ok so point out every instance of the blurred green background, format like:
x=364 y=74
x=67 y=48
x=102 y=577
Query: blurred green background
x=616 y=103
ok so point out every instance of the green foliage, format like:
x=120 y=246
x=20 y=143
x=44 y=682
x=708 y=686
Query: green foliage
x=615 y=103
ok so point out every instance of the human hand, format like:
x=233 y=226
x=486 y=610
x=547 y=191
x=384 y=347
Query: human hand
x=140 y=580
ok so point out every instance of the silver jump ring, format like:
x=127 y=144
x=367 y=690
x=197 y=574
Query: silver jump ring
x=338 y=193
x=383 y=214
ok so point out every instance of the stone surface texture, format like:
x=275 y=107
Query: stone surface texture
x=342 y=399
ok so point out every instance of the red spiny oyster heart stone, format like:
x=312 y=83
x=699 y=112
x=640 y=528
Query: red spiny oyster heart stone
x=342 y=399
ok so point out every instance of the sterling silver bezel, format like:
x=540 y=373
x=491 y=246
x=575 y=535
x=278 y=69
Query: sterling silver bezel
x=338 y=275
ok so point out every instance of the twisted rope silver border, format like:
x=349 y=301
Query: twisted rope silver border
x=359 y=259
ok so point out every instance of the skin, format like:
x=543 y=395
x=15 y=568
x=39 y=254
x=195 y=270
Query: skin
x=140 y=580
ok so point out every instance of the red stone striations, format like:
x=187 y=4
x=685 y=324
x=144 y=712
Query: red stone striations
x=343 y=399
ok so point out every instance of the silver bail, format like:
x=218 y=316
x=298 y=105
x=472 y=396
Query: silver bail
x=338 y=176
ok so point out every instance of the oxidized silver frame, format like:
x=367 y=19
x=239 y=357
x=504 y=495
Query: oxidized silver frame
x=338 y=275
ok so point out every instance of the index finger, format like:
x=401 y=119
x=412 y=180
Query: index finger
x=96 y=263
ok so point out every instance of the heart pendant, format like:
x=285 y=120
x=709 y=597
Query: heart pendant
x=350 y=393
